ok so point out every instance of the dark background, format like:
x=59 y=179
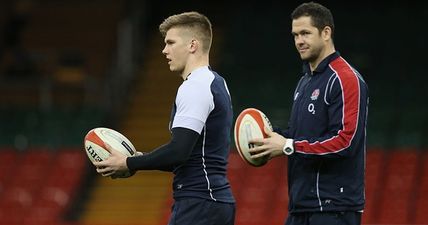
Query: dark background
x=69 y=66
x=384 y=41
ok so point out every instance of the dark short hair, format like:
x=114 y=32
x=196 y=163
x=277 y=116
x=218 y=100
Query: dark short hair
x=197 y=22
x=320 y=15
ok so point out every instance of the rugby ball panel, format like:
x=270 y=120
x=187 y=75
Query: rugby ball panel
x=250 y=124
x=95 y=143
x=95 y=139
x=116 y=140
x=246 y=131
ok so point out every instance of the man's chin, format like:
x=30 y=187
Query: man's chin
x=175 y=70
x=307 y=58
x=304 y=57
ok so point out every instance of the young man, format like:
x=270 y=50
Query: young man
x=326 y=135
x=200 y=124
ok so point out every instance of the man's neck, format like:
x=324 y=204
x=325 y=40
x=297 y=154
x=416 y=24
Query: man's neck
x=327 y=51
x=194 y=64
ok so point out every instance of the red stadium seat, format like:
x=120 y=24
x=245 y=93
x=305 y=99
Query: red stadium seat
x=69 y=167
x=254 y=215
x=48 y=208
x=8 y=157
x=262 y=189
x=278 y=214
x=37 y=157
x=282 y=192
x=42 y=215
x=396 y=194
x=17 y=197
x=421 y=209
x=33 y=168
x=42 y=186
x=279 y=209
x=10 y=216
x=235 y=161
x=374 y=174
x=236 y=171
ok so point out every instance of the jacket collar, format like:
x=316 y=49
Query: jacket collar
x=322 y=66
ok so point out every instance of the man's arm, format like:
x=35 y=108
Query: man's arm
x=345 y=120
x=166 y=157
x=346 y=123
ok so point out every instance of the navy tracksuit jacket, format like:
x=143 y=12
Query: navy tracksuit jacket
x=328 y=125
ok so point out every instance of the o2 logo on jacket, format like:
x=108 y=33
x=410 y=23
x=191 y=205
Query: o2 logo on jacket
x=314 y=97
x=311 y=108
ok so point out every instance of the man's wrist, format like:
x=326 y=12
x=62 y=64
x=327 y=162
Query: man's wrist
x=288 y=148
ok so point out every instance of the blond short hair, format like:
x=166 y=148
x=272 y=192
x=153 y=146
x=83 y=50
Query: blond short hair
x=197 y=23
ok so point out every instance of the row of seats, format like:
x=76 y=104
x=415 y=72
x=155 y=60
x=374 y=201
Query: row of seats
x=37 y=186
x=261 y=192
x=396 y=187
x=41 y=183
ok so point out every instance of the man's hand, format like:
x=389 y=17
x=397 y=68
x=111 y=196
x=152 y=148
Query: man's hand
x=114 y=164
x=270 y=146
x=137 y=153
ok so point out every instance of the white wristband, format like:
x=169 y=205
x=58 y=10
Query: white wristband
x=288 y=148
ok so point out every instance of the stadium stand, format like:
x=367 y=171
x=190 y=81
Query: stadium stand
x=51 y=98
x=421 y=205
x=375 y=168
x=396 y=200
x=46 y=112
x=391 y=192
x=255 y=187
x=31 y=194
x=400 y=178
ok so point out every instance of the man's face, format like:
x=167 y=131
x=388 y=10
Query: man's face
x=307 y=39
x=177 y=44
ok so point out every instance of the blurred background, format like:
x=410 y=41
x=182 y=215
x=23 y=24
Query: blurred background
x=69 y=66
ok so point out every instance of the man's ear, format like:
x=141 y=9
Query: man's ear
x=326 y=33
x=194 y=45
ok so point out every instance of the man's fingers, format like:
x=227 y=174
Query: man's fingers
x=256 y=149
x=256 y=141
x=103 y=170
x=107 y=174
x=261 y=154
x=100 y=164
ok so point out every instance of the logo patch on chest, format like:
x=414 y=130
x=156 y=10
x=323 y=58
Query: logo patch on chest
x=315 y=94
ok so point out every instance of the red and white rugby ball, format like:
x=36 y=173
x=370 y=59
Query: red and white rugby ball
x=249 y=125
x=95 y=141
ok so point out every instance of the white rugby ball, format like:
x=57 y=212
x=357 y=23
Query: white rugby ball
x=95 y=147
x=249 y=125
